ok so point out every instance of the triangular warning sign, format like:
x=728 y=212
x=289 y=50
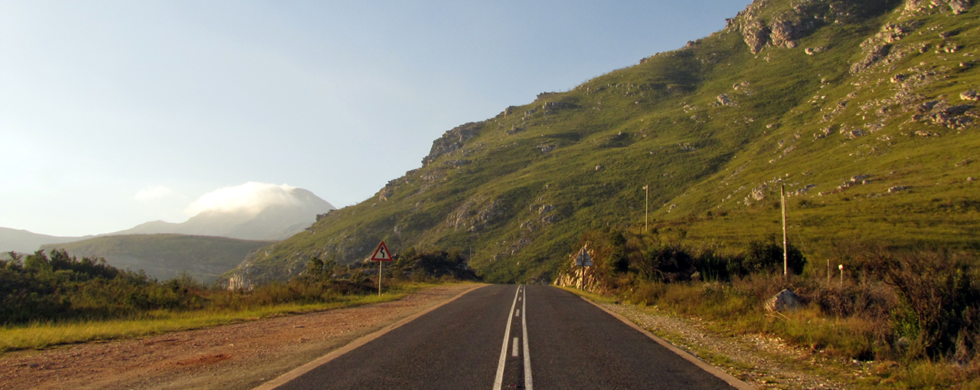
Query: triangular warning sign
x=382 y=253
x=583 y=259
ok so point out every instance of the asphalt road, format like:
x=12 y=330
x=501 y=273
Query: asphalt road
x=511 y=337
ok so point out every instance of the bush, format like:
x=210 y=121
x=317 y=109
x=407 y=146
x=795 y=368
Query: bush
x=435 y=264
x=940 y=302
x=767 y=256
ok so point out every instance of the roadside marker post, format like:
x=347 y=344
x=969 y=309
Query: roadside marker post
x=381 y=255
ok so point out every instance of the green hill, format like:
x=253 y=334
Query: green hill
x=165 y=256
x=861 y=109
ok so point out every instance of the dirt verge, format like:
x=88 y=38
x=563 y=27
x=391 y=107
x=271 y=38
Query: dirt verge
x=239 y=356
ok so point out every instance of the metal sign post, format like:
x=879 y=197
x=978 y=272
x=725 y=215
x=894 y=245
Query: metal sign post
x=381 y=255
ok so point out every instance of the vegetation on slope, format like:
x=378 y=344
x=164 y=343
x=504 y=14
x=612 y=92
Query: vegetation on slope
x=854 y=107
x=165 y=256
x=48 y=299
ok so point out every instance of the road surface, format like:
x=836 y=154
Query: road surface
x=500 y=337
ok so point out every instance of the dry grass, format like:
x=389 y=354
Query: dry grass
x=43 y=335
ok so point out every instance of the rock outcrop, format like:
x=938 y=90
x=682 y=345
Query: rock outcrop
x=918 y=7
x=582 y=278
x=452 y=141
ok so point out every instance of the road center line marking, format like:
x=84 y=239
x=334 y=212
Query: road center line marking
x=514 y=350
x=518 y=313
x=528 y=383
x=499 y=380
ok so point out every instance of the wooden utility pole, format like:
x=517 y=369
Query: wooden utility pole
x=646 y=215
x=782 y=201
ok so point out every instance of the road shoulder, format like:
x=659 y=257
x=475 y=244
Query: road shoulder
x=239 y=356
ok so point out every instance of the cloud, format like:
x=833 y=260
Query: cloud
x=158 y=192
x=251 y=197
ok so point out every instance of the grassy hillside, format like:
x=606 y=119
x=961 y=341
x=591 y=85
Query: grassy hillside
x=165 y=256
x=854 y=106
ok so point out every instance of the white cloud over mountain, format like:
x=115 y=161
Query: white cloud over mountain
x=250 y=197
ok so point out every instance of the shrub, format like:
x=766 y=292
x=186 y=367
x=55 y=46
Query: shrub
x=767 y=256
x=940 y=302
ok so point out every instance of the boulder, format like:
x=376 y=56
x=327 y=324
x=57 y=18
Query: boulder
x=786 y=300
x=724 y=100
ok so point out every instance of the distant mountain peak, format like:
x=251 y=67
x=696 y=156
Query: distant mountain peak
x=251 y=211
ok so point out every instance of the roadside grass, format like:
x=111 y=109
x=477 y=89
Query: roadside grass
x=41 y=335
x=841 y=348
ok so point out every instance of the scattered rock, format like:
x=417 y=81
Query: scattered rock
x=874 y=54
x=897 y=189
x=813 y=50
x=958 y=6
x=785 y=301
x=853 y=134
x=551 y=106
x=823 y=133
x=545 y=209
x=724 y=100
x=457 y=163
x=913 y=7
x=939 y=112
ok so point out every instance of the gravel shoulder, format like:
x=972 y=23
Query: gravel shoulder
x=239 y=356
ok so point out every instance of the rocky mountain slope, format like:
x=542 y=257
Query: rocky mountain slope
x=864 y=111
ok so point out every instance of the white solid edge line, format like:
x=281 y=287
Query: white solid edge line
x=528 y=383
x=721 y=374
x=499 y=380
x=299 y=371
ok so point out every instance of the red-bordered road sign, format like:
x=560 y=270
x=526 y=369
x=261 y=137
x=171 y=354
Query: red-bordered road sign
x=382 y=253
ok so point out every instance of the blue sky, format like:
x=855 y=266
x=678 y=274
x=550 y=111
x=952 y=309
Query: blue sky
x=114 y=113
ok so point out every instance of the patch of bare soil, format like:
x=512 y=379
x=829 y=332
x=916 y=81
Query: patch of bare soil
x=239 y=356
x=761 y=361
